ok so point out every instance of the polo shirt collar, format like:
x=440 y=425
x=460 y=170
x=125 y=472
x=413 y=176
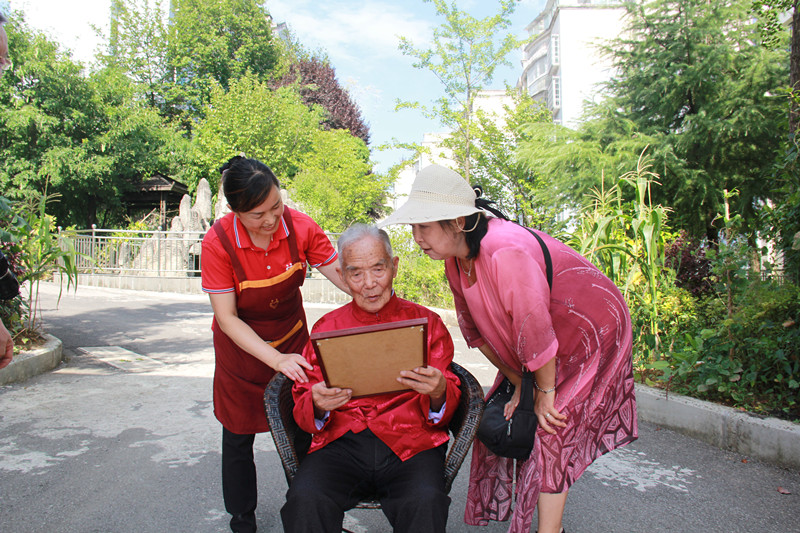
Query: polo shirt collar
x=242 y=238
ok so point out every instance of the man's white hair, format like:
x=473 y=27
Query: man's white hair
x=357 y=232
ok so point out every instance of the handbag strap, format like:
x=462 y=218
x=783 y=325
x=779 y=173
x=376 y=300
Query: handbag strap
x=483 y=203
x=548 y=261
x=526 y=393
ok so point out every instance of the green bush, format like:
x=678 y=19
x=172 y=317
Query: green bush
x=626 y=241
x=38 y=252
x=751 y=359
x=687 y=257
x=677 y=312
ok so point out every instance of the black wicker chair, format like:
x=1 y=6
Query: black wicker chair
x=279 y=404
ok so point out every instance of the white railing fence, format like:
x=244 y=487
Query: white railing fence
x=141 y=253
x=138 y=253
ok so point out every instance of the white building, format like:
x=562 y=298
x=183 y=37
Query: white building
x=433 y=154
x=561 y=64
x=491 y=102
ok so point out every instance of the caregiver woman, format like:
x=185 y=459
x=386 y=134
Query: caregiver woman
x=253 y=264
x=576 y=339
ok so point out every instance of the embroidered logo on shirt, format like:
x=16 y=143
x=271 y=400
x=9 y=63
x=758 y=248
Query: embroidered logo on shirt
x=274 y=303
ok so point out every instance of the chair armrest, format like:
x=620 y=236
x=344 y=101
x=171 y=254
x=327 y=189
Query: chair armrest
x=279 y=404
x=464 y=423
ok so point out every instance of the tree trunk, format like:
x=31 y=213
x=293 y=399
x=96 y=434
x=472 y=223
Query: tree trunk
x=91 y=211
x=468 y=147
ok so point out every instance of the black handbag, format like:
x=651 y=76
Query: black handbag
x=9 y=286
x=513 y=438
x=509 y=438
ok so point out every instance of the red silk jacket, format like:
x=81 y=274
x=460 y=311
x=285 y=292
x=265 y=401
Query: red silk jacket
x=399 y=419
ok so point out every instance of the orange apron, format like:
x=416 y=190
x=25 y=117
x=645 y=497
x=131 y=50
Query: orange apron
x=273 y=307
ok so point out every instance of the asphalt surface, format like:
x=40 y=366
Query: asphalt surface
x=121 y=438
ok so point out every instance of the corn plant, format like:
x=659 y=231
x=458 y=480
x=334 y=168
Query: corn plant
x=626 y=240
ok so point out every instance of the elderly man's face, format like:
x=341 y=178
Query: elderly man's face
x=368 y=271
x=4 y=61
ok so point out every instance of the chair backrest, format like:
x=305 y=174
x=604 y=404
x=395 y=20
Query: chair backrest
x=279 y=404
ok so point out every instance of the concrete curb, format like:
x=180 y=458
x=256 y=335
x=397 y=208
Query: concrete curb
x=25 y=365
x=763 y=438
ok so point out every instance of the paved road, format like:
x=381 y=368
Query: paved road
x=92 y=447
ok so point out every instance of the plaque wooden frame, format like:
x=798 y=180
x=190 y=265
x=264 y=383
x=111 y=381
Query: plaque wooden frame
x=368 y=359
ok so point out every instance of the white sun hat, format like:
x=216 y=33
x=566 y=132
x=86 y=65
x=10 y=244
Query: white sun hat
x=438 y=193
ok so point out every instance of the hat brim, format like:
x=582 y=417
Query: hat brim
x=416 y=212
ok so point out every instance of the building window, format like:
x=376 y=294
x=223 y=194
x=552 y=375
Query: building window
x=555 y=50
x=537 y=85
x=538 y=68
x=555 y=93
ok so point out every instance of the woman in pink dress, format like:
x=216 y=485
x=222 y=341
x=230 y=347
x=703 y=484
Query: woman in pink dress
x=575 y=338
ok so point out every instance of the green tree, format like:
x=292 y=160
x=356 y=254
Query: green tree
x=782 y=216
x=772 y=32
x=504 y=178
x=691 y=78
x=274 y=126
x=567 y=165
x=138 y=44
x=214 y=42
x=335 y=185
x=131 y=143
x=176 y=60
x=87 y=139
x=316 y=82
x=45 y=103
x=463 y=55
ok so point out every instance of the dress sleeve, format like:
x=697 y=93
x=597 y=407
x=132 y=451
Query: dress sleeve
x=468 y=329
x=525 y=296
x=216 y=269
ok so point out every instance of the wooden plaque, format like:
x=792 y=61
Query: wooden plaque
x=368 y=359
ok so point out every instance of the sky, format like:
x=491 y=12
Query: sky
x=360 y=38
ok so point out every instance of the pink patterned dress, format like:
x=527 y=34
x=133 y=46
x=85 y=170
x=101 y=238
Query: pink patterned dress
x=585 y=324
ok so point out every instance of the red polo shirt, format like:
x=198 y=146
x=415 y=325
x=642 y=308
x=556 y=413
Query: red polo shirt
x=313 y=247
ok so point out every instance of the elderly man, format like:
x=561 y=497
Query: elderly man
x=393 y=444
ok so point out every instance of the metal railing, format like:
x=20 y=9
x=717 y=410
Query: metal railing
x=143 y=253
x=138 y=253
